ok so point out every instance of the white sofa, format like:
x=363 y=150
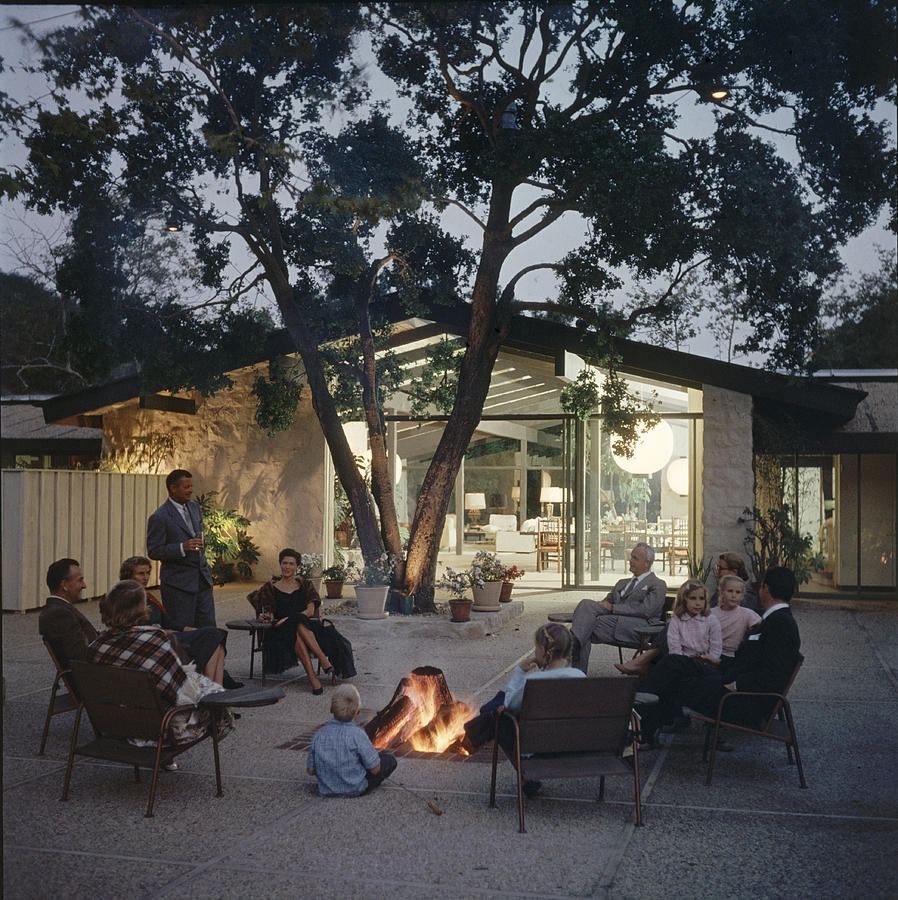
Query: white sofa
x=508 y=538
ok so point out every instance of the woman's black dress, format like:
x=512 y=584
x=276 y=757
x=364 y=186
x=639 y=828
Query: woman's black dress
x=198 y=644
x=279 y=647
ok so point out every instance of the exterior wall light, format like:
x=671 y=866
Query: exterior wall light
x=510 y=116
x=712 y=93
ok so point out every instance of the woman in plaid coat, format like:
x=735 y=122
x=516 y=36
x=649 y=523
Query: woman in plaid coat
x=131 y=643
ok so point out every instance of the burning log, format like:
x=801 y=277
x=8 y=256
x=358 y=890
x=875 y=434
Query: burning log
x=421 y=710
x=389 y=722
x=442 y=730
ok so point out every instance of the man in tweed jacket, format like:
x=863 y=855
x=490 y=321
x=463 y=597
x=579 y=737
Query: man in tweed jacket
x=633 y=602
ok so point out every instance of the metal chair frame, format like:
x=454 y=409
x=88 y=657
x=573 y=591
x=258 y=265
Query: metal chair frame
x=59 y=702
x=774 y=728
x=583 y=724
x=123 y=703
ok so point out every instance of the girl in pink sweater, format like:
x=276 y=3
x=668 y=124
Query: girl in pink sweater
x=693 y=631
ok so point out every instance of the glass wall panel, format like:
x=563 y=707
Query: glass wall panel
x=877 y=545
x=623 y=508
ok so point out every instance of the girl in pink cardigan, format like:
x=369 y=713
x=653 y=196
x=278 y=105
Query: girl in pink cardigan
x=693 y=631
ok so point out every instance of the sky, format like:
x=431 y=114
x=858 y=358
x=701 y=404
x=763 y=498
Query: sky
x=17 y=226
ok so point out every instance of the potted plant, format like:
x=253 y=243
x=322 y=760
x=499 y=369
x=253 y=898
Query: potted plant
x=487 y=576
x=509 y=576
x=373 y=584
x=335 y=577
x=772 y=540
x=457 y=583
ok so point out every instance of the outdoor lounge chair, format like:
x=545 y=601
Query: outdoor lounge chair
x=583 y=724
x=123 y=703
x=60 y=701
x=778 y=726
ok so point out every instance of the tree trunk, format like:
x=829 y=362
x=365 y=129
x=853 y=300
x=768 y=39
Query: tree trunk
x=488 y=328
x=381 y=483
x=323 y=403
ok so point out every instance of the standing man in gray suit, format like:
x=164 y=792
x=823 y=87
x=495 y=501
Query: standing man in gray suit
x=175 y=536
x=633 y=602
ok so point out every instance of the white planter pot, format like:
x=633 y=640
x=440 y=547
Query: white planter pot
x=486 y=599
x=372 y=600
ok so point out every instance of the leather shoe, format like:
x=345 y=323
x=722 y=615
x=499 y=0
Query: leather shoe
x=531 y=788
x=229 y=684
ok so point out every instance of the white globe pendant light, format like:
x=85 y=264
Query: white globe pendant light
x=678 y=476
x=653 y=449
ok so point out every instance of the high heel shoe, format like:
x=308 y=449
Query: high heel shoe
x=330 y=671
x=318 y=691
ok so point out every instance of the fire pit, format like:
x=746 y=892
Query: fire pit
x=422 y=713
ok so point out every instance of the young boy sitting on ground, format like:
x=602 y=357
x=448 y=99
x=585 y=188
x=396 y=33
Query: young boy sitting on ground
x=342 y=756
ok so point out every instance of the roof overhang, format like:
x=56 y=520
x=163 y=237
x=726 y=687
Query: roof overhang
x=828 y=405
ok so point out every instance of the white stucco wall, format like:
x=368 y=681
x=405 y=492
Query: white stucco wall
x=727 y=475
x=277 y=483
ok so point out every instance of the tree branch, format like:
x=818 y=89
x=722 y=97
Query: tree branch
x=463 y=208
x=659 y=305
x=539 y=226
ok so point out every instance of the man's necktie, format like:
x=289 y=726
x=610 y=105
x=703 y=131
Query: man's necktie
x=186 y=516
x=626 y=591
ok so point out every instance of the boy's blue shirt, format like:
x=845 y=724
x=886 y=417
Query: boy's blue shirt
x=341 y=754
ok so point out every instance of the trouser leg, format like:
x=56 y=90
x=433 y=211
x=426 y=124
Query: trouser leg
x=205 y=608
x=587 y=617
x=181 y=606
x=387 y=767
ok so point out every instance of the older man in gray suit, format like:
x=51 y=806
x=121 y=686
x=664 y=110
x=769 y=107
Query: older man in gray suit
x=174 y=536
x=635 y=601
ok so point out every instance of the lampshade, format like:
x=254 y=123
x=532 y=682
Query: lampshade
x=678 y=476
x=652 y=451
x=516 y=492
x=475 y=501
x=551 y=495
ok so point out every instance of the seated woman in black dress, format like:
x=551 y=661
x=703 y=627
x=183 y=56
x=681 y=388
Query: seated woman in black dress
x=292 y=604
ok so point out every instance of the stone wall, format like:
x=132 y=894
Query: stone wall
x=727 y=475
x=277 y=483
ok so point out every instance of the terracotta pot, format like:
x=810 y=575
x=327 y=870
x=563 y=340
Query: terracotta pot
x=486 y=598
x=372 y=600
x=505 y=595
x=334 y=588
x=461 y=609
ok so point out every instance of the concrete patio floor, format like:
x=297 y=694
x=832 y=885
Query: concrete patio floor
x=753 y=833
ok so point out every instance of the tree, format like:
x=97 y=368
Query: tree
x=860 y=328
x=520 y=115
x=34 y=355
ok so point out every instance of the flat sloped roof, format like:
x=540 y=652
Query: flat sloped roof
x=831 y=405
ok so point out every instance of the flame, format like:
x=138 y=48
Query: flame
x=443 y=733
x=432 y=723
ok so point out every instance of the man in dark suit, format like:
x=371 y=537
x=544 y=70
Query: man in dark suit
x=764 y=661
x=634 y=602
x=174 y=536
x=66 y=629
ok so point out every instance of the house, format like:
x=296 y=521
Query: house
x=528 y=460
x=28 y=442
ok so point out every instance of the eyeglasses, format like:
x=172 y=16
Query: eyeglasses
x=721 y=568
